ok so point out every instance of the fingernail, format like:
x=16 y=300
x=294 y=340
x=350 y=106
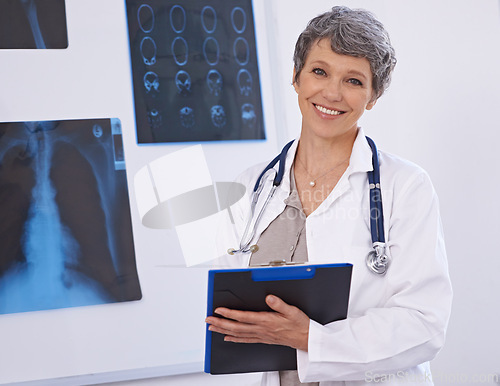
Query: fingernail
x=271 y=299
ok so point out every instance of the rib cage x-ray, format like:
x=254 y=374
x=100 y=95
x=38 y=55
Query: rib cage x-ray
x=33 y=24
x=65 y=227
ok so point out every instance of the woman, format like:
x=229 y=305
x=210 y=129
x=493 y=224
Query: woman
x=320 y=213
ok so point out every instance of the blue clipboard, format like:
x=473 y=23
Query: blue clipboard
x=321 y=291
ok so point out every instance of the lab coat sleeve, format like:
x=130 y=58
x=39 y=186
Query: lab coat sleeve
x=408 y=328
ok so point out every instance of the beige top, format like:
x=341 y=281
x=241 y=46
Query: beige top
x=285 y=239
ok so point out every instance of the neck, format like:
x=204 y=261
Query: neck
x=318 y=154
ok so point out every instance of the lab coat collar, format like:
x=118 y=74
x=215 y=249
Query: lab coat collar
x=360 y=161
x=361 y=155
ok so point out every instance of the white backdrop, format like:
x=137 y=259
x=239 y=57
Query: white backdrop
x=440 y=112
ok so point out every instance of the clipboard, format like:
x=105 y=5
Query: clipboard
x=321 y=291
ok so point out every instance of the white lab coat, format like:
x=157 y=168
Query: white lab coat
x=396 y=323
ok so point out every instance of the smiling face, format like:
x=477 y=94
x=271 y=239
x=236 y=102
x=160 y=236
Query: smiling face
x=333 y=91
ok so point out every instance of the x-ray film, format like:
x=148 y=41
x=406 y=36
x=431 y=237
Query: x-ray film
x=195 y=70
x=65 y=226
x=33 y=24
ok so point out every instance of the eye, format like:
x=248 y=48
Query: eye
x=355 y=82
x=319 y=71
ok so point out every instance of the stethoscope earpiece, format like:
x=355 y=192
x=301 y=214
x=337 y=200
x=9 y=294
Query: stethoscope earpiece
x=254 y=248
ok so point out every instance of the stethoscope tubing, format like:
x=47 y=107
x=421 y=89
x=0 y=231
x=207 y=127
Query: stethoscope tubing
x=246 y=240
x=377 y=261
x=281 y=158
x=376 y=210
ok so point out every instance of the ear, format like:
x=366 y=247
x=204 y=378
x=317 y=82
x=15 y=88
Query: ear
x=294 y=83
x=370 y=105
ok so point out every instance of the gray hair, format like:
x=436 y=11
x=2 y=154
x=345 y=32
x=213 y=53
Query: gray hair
x=353 y=32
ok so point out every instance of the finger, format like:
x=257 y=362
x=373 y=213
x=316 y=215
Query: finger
x=220 y=330
x=235 y=339
x=225 y=316
x=234 y=334
x=212 y=319
x=279 y=305
x=232 y=326
x=249 y=317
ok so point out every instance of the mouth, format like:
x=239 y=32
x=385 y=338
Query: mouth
x=327 y=111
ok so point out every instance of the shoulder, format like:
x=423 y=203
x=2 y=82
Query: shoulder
x=402 y=176
x=398 y=165
x=249 y=176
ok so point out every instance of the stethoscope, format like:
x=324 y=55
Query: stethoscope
x=377 y=261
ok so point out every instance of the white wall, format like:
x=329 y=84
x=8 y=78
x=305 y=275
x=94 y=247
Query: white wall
x=440 y=112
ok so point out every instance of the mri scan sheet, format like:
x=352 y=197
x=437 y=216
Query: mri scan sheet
x=35 y=24
x=65 y=227
x=195 y=71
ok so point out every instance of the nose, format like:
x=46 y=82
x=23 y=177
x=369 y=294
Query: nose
x=332 y=90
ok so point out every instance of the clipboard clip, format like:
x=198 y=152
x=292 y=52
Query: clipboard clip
x=280 y=263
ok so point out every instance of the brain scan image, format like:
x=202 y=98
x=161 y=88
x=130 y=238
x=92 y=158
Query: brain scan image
x=194 y=66
x=183 y=82
x=180 y=51
x=187 y=117
x=239 y=19
x=214 y=82
x=211 y=51
x=177 y=17
x=151 y=82
x=65 y=226
x=218 y=116
x=209 y=19
x=154 y=119
x=241 y=51
x=146 y=18
x=245 y=82
x=248 y=116
x=148 y=51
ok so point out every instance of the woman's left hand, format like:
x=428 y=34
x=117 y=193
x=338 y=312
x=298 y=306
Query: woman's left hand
x=286 y=325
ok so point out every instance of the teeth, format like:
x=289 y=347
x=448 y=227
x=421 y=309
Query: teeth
x=324 y=110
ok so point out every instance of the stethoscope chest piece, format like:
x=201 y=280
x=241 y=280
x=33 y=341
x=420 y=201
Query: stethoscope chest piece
x=377 y=261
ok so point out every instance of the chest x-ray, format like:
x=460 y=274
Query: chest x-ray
x=195 y=70
x=33 y=24
x=65 y=227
